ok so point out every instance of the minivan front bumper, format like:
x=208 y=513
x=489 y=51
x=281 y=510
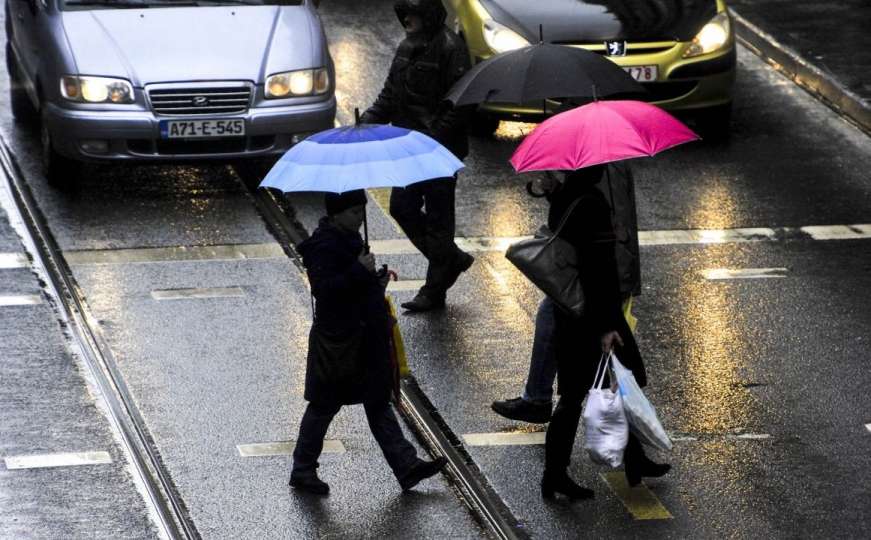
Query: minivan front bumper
x=83 y=135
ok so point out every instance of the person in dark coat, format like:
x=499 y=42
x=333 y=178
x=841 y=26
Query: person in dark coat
x=427 y=63
x=580 y=341
x=535 y=404
x=348 y=358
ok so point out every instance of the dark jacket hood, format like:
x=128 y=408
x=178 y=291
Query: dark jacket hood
x=431 y=12
x=328 y=234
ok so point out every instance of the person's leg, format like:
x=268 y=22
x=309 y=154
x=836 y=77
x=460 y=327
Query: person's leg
x=406 y=207
x=535 y=404
x=399 y=453
x=637 y=465
x=312 y=430
x=446 y=260
x=559 y=441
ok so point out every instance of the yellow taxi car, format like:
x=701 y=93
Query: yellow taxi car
x=681 y=51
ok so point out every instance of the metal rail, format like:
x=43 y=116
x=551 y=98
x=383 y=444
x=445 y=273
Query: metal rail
x=173 y=519
x=423 y=418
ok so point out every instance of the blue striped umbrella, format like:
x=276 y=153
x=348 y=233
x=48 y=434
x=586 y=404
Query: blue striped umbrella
x=359 y=157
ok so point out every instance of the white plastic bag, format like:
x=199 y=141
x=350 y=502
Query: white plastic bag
x=605 y=429
x=639 y=412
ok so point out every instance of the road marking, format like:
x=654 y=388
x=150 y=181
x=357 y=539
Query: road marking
x=398 y=246
x=749 y=436
x=639 y=500
x=504 y=439
x=71 y=459
x=176 y=253
x=715 y=274
x=186 y=294
x=284 y=448
x=13 y=260
x=683 y=438
x=20 y=299
x=405 y=285
x=838 y=232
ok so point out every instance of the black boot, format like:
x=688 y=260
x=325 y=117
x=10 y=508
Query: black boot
x=525 y=410
x=561 y=483
x=421 y=470
x=637 y=464
x=309 y=483
x=422 y=302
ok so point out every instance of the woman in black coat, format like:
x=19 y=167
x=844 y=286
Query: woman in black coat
x=348 y=358
x=580 y=341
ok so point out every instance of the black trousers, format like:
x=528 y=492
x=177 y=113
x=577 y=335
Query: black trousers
x=426 y=213
x=400 y=454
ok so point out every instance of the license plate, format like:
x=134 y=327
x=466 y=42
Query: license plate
x=201 y=129
x=642 y=73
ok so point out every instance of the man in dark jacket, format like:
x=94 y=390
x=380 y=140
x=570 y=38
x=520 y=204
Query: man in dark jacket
x=348 y=358
x=427 y=63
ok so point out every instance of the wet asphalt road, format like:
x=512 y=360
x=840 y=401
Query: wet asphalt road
x=779 y=357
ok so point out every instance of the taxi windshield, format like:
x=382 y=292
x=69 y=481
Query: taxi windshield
x=139 y=4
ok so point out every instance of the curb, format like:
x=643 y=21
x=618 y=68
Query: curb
x=819 y=83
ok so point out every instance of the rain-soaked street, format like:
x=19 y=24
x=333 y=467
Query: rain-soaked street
x=754 y=325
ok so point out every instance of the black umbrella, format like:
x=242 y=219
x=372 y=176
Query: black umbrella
x=542 y=71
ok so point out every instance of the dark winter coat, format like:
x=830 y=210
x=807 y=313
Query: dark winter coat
x=349 y=309
x=424 y=68
x=589 y=229
x=618 y=187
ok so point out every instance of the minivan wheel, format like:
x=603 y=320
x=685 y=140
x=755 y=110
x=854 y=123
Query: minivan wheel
x=22 y=108
x=60 y=171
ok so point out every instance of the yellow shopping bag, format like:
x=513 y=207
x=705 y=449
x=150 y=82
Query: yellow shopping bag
x=398 y=348
x=627 y=313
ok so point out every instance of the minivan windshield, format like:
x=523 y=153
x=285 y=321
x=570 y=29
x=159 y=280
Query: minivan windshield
x=139 y=4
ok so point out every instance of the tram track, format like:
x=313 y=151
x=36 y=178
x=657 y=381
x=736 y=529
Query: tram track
x=163 y=497
x=419 y=413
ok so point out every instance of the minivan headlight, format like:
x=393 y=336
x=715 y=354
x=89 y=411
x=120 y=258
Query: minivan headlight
x=500 y=38
x=712 y=37
x=303 y=82
x=96 y=89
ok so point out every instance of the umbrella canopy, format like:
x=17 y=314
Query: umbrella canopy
x=360 y=157
x=599 y=132
x=539 y=72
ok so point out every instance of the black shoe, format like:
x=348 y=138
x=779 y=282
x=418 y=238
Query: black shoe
x=561 y=483
x=421 y=470
x=309 y=483
x=421 y=303
x=643 y=467
x=463 y=262
x=525 y=410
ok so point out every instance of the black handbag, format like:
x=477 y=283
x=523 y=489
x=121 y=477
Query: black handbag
x=337 y=359
x=551 y=263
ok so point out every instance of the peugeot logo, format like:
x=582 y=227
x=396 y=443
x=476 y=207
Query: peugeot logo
x=200 y=101
x=615 y=48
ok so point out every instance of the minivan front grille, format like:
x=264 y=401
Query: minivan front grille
x=193 y=100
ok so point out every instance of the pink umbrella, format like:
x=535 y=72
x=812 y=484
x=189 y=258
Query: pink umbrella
x=599 y=132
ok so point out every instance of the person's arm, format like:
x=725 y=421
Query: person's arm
x=331 y=279
x=454 y=63
x=382 y=110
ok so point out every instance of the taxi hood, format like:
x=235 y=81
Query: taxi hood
x=592 y=21
x=194 y=43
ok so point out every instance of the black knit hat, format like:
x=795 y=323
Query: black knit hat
x=336 y=203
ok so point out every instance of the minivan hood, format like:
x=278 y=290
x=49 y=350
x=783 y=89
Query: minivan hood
x=192 y=43
x=593 y=21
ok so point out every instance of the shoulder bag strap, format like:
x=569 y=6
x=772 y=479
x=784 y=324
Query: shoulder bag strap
x=565 y=219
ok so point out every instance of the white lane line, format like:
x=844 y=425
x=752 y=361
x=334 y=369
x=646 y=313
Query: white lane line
x=20 y=299
x=682 y=438
x=13 y=260
x=715 y=274
x=750 y=436
x=284 y=448
x=71 y=459
x=705 y=236
x=187 y=294
x=405 y=285
x=838 y=232
x=504 y=439
x=176 y=253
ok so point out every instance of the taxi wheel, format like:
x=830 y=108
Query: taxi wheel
x=60 y=171
x=482 y=125
x=22 y=108
x=714 y=123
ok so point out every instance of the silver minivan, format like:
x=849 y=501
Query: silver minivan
x=167 y=80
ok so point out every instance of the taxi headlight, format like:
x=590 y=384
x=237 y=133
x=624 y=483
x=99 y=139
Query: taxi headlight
x=96 y=89
x=500 y=38
x=712 y=37
x=303 y=82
